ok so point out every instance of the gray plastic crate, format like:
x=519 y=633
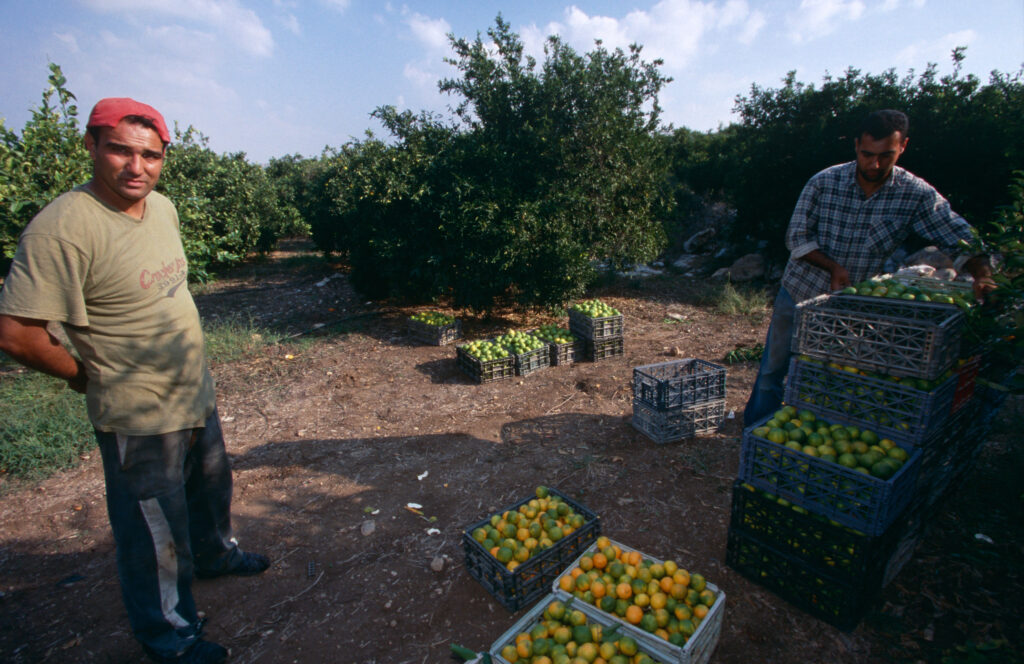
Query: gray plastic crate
x=897 y=337
x=664 y=426
x=678 y=383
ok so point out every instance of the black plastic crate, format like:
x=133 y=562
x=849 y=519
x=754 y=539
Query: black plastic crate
x=822 y=594
x=890 y=336
x=595 y=329
x=437 y=335
x=678 y=383
x=892 y=410
x=663 y=426
x=532 y=579
x=567 y=353
x=605 y=349
x=862 y=502
x=847 y=555
x=532 y=360
x=485 y=372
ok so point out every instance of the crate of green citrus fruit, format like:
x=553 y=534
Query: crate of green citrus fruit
x=678 y=612
x=842 y=472
x=903 y=409
x=484 y=361
x=558 y=631
x=593 y=320
x=517 y=552
x=566 y=348
x=530 y=353
x=434 y=327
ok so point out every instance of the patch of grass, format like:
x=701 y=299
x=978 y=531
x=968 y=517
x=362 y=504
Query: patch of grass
x=237 y=338
x=45 y=426
x=729 y=300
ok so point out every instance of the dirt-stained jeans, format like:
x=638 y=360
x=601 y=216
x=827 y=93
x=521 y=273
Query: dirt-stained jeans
x=169 y=502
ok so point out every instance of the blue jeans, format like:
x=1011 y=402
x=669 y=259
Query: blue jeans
x=766 y=397
x=169 y=502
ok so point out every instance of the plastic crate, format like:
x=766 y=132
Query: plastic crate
x=567 y=353
x=862 y=502
x=595 y=329
x=437 y=335
x=680 y=423
x=822 y=594
x=485 y=372
x=525 y=584
x=698 y=647
x=532 y=360
x=897 y=337
x=653 y=647
x=892 y=410
x=605 y=349
x=843 y=553
x=678 y=383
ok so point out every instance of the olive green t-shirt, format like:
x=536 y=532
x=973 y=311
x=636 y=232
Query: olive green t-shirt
x=119 y=286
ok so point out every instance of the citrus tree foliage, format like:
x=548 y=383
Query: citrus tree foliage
x=545 y=171
x=228 y=207
x=965 y=138
x=46 y=160
x=997 y=325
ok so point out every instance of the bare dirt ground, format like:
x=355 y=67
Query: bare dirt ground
x=360 y=420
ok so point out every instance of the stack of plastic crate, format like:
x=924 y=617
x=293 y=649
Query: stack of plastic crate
x=679 y=399
x=603 y=337
x=821 y=535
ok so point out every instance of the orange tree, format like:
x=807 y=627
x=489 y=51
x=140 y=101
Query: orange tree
x=547 y=172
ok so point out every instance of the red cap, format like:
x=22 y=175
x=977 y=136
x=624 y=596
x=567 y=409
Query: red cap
x=110 y=111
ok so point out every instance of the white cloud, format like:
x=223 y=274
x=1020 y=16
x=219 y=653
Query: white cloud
x=672 y=30
x=232 y=21
x=340 y=5
x=433 y=33
x=819 y=18
x=291 y=24
x=68 y=40
x=939 y=50
x=893 y=5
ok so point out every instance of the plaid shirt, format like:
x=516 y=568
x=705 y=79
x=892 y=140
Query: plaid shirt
x=859 y=233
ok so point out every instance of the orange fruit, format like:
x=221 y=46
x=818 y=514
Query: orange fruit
x=599 y=589
x=623 y=591
x=600 y=560
x=576 y=571
x=567 y=583
x=641 y=600
x=659 y=600
x=666 y=582
x=602 y=541
x=634 y=614
x=634 y=558
x=586 y=563
x=524 y=647
x=678 y=591
x=700 y=611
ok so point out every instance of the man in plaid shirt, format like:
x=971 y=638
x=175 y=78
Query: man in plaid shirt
x=849 y=220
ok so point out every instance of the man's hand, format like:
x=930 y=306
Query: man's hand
x=840 y=277
x=980 y=268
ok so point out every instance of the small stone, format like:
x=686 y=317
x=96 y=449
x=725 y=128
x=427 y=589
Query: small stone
x=368 y=527
x=437 y=564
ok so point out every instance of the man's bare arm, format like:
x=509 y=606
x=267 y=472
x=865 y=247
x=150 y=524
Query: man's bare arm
x=28 y=341
x=840 y=277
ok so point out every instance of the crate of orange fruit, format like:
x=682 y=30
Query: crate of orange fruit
x=553 y=628
x=676 y=611
x=516 y=553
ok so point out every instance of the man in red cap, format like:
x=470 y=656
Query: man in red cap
x=105 y=260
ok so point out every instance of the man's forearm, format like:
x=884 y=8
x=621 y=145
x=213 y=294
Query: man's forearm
x=840 y=278
x=28 y=341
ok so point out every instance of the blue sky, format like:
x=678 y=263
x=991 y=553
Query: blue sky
x=277 y=77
